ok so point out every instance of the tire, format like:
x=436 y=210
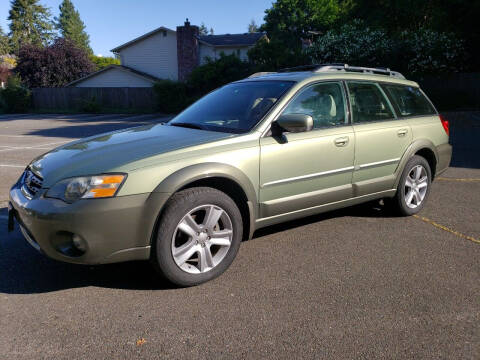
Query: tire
x=189 y=231
x=412 y=195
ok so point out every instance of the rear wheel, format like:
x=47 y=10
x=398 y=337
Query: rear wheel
x=413 y=188
x=198 y=236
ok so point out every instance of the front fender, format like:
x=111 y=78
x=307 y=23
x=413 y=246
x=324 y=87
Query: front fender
x=192 y=173
x=189 y=174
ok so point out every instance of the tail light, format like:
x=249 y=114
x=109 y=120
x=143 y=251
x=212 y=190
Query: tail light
x=445 y=124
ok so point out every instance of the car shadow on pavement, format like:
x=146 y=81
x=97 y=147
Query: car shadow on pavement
x=23 y=270
x=373 y=209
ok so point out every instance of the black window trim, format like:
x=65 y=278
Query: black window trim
x=378 y=83
x=435 y=111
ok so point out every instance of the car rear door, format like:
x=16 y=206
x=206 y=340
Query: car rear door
x=307 y=169
x=380 y=138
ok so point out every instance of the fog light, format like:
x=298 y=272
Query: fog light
x=79 y=243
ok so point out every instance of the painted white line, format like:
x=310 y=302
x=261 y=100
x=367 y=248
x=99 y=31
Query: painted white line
x=14 y=166
x=35 y=147
x=23 y=148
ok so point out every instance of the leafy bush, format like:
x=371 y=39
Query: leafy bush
x=54 y=65
x=215 y=73
x=413 y=52
x=354 y=44
x=427 y=51
x=272 y=55
x=171 y=96
x=16 y=97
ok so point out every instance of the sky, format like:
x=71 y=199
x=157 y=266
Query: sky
x=113 y=22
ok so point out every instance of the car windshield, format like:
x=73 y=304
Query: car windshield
x=234 y=108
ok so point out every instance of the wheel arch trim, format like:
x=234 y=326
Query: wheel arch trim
x=185 y=176
x=413 y=148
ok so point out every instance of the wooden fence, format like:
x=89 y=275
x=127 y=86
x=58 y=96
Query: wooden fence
x=448 y=92
x=92 y=99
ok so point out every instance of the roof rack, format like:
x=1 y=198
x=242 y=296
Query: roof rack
x=261 y=73
x=361 y=69
x=344 y=67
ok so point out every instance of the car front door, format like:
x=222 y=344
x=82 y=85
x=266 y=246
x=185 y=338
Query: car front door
x=380 y=138
x=311 y=168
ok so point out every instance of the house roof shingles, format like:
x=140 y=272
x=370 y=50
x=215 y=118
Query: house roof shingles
x=247 y=39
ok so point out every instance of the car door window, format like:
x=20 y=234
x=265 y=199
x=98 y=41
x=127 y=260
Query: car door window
x=368 y=103
x=323 y=102
x=409 y=100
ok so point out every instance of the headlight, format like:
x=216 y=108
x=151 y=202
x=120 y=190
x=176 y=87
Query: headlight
x=87 y=187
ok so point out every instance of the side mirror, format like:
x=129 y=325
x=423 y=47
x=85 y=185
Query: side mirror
x=295 y=123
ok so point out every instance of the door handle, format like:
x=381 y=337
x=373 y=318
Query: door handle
x=343 y=141
x=402 y=132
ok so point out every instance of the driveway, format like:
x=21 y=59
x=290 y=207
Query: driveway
x=354 y=283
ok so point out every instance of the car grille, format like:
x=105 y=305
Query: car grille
x=31 y=183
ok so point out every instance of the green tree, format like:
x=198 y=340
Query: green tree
x=4 y=43
x=29 y=24
x=103 y=61
x=72 y=27
x=453 y=16
x=290 y=21
x=252 y=27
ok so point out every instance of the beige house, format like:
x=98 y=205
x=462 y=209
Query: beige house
x=167 y=54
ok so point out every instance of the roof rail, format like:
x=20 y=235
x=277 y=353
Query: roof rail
x=261 y=73
x=366 y=70
x=343 y=67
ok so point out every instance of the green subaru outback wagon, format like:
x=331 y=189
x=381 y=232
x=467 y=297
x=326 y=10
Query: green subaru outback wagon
x=270 y=148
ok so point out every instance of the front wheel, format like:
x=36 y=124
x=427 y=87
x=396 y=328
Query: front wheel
x=198 y=236
x=414 y=187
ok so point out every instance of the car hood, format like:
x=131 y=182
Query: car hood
x=110 y=151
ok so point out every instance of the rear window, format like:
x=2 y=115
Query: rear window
x=409 y=100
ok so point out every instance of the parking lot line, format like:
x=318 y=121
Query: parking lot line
x=454 y=179
x=35 y=147
x=14 y=166
x=447 y=229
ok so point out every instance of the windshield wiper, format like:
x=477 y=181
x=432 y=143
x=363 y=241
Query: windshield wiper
x=187 y=125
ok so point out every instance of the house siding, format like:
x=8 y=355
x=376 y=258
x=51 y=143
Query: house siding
x=207 y=51
x=114 y=78
x=155 y=55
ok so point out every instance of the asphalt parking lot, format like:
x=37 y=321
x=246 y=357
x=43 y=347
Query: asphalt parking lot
x=355 y=283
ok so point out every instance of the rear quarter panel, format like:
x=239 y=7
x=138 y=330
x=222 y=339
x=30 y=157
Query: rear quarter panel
x=429 y=128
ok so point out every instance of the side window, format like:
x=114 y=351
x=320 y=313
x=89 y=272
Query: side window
x=323 y=102
x=408 y=100
x=368 y=103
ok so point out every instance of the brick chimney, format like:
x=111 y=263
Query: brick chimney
x=187 y=49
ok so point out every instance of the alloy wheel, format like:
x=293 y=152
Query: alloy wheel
x=416 y=185
x=202 y=239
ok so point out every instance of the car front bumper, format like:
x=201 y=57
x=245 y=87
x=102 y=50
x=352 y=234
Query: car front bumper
x=113 y=229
